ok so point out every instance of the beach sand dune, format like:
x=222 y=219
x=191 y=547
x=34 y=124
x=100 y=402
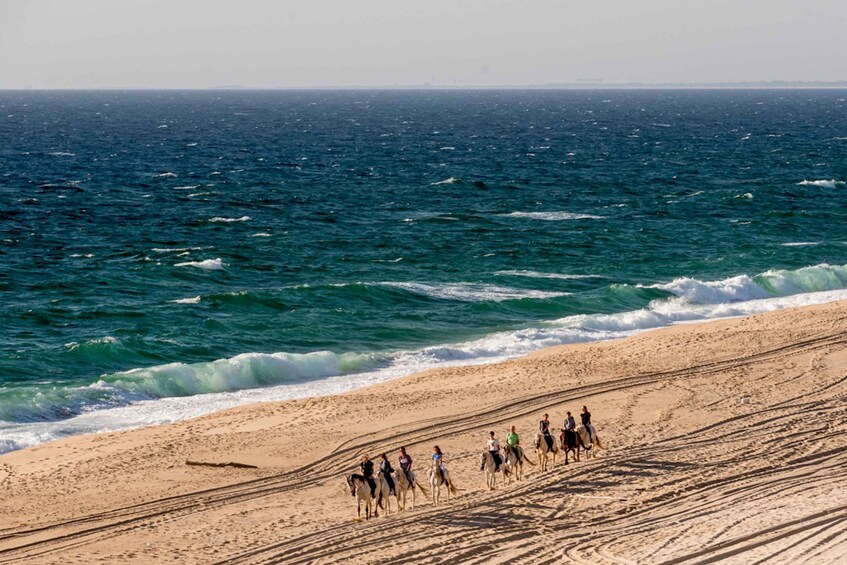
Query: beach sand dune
x=727 y=442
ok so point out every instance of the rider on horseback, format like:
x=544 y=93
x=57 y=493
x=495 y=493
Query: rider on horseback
x=386 y=470
x=367 y=467
x=544 y=428
x=494 y=450
x=438 y=459
x=513 y=440
x=405 y=464
x=586 y=421
x=570 y=423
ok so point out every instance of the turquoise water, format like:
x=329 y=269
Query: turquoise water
x=163 y=254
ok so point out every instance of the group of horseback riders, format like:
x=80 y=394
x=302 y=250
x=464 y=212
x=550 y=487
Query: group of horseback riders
x=513 y=439
x=385 y=468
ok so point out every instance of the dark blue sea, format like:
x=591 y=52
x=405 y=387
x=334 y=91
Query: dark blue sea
x=164 y=254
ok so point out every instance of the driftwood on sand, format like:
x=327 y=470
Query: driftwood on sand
x=229 y=464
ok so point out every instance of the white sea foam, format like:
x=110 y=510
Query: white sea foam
x=471 y=292
x=261 y=234
x=800 y=243
x=62 y=154
x=831 y=183
x=733 y=289
x=176 y=249
x=194 y=300
x=537 y=275
x=552 y=216
x=167 y=175
x=450 y=180
x=187 y=187
x=208 y=264
x=229 y=220
x=106 y=340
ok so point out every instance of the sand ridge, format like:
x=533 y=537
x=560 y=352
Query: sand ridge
x=693 y=474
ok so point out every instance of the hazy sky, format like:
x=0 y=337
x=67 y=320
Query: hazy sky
x=295 y=43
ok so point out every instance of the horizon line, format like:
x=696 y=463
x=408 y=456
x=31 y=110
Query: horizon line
x=580 y=85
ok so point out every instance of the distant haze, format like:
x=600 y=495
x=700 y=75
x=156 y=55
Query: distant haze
x=324 y=43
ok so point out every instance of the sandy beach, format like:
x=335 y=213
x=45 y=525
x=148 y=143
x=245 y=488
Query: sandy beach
x=726 y=442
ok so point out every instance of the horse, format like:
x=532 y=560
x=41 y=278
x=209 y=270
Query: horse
x=437 y=478
x=571 y=443
x=486 y=461
x=513 y=459
x=361 y=490
x=405 y=483
x=383 y=493
x=589 y=442
x=542 y=449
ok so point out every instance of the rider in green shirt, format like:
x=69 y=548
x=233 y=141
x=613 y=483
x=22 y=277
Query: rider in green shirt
x=514 y=441
x=512 y=438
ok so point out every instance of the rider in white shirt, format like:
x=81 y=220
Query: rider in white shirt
x=494 y=449
x=493 y=444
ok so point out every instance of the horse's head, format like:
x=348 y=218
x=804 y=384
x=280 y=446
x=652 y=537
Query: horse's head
x=482 y=459
x=351 y=484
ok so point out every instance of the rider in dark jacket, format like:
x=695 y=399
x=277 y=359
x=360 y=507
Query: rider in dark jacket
x=544 y=428
x=367 y=467
x=386 y=470
x=586 y=421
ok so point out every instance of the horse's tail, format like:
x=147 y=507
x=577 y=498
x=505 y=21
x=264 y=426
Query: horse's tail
x=452 y=487
x=379 y=498
x=526 y=459
x=597 y=442
x=423 y=490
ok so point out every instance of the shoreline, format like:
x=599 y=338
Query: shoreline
x=491 y=348
x=657 y=397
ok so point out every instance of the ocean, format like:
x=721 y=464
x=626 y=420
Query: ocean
x=164 y=254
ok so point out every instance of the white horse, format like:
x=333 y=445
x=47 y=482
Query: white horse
x=438 y=476
x=589 y=442
x=486 y=461
x=513 y=460
x=404 y=483
x=383 y=493
x=361 y=490
x=542 y=449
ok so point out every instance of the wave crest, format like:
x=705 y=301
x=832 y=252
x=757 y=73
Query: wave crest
x=824 y=183
x=208 y=264
x=552 y=216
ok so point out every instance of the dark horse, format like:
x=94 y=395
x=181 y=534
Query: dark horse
x=571 y=442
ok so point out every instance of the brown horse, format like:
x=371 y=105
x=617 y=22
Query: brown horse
x=571 y=443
